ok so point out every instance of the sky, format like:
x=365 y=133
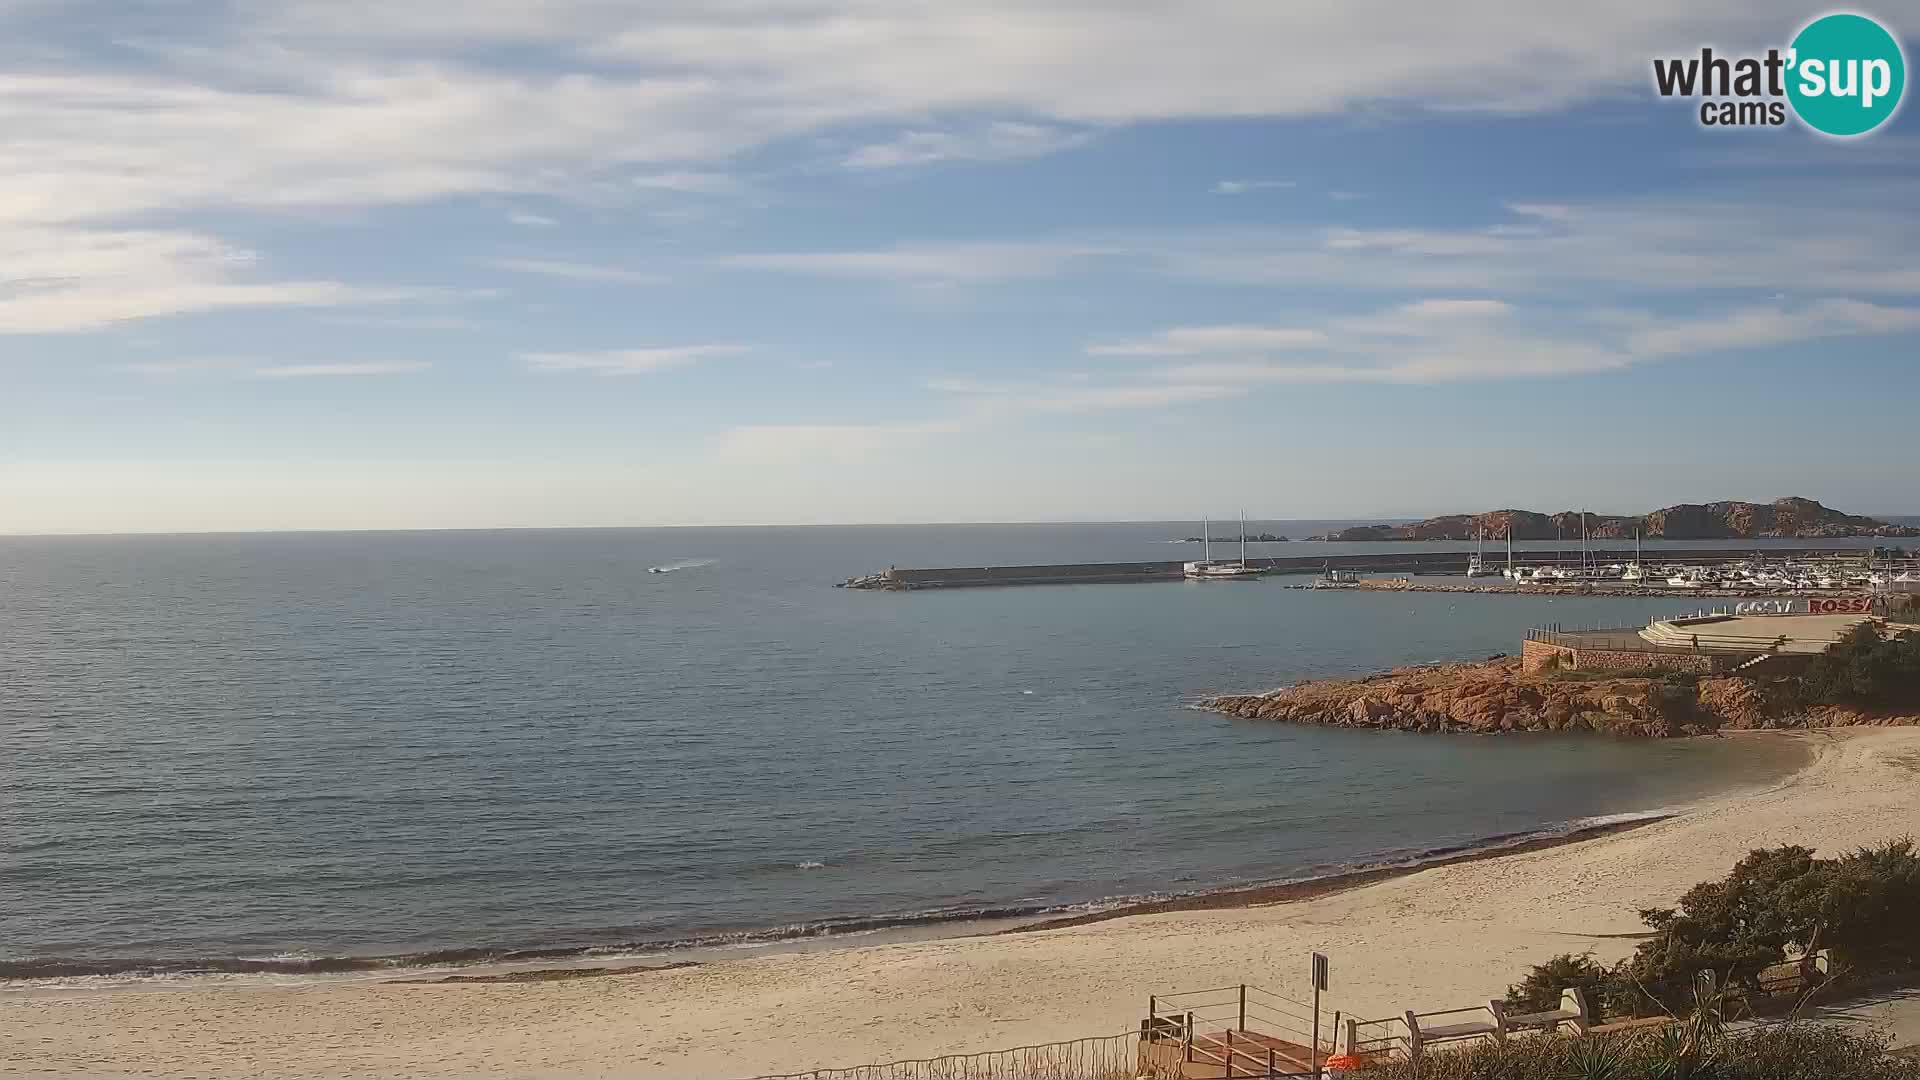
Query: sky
x=313 y=264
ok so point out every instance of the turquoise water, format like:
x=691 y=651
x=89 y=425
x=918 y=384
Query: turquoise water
x=300 y=751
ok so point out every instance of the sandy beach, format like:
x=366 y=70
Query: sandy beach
x=1442 y=937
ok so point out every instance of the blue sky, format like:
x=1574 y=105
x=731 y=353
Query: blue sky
x=291 y=264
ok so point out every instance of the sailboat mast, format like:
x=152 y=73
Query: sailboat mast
x=1206 y=540
x=1243 y=538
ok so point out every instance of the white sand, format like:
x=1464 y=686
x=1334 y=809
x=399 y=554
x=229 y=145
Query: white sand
x=1440 y=938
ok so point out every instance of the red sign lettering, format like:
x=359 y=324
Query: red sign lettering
x=1839 y=605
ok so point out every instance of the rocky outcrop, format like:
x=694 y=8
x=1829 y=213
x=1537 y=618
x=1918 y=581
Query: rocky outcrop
x=1496 y=696
x=1788 y=518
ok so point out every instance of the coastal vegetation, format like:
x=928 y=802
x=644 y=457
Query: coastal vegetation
x=1775 y=907
x=1871 y=676
x=1868 y=668
x=1776 y=910
x=1795 y=1052
x=1791 y=517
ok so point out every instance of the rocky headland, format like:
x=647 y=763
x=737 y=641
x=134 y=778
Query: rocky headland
x=1788 y=518
x=1495 y=696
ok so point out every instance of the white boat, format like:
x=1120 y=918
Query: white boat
x=1476 y=566
x=1633 y=571
x=1335 y=579
x=1208 y=570
x=1512 y=572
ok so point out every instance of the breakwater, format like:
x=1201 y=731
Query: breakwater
x=1400 y=562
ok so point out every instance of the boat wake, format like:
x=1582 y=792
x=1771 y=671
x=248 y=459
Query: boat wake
x=683 y=564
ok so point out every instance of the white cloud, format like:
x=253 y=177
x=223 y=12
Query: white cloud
x=1449 y=341
x=1761 y=327
x=1660 y=246
x=58 y=278
x=95 y=303
x=997 y=141
x=688 y=181
x=532 y=221
x=330 y=371
x=577 y=271
x=1242 y=187
x=376 y=103
x=355 y=102
x=1446 y=361
x=1446 y=308
x=974 y=406
x=993 y=401
x=954 y=263
x=628 y=361
x=1192 y=340
x=230 y=367
x=1666 y=247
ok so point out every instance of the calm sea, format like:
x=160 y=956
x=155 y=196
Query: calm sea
x=247 y=752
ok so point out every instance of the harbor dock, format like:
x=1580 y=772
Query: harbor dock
x=1398 y=562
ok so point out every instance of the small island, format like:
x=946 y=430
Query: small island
x=1789 y=518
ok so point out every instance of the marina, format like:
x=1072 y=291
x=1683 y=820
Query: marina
x=1728 y=572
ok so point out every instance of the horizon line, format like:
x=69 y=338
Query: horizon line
x=349 y=530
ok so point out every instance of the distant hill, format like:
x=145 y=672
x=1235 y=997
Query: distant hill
x=1789 y=518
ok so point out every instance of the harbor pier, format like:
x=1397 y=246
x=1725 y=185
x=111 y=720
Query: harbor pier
x=1397 y=562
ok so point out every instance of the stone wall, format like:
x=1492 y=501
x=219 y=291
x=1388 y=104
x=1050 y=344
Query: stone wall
x=1537 y=656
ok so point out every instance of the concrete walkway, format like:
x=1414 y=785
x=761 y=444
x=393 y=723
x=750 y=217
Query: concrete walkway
x=1896 y=1011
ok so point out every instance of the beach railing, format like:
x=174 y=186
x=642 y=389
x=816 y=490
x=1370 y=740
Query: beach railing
x=1105 y=1057
x=1454 y=1025
x=1242 y=1031
x=1376 y=1040
x=1410 y=1034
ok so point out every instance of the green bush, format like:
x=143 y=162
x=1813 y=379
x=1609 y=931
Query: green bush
x=1870 y=911
x=1794 y=1052
x=1735 y=927
x=1775 y=903
x=1866 y=669
x=1540 y=990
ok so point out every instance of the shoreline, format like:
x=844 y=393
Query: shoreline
x=561 y=961
x=484 y=965
x=1439 y=937
x=1334 y=884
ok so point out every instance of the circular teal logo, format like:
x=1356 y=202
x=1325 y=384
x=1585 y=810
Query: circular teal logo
x=1845 y=74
